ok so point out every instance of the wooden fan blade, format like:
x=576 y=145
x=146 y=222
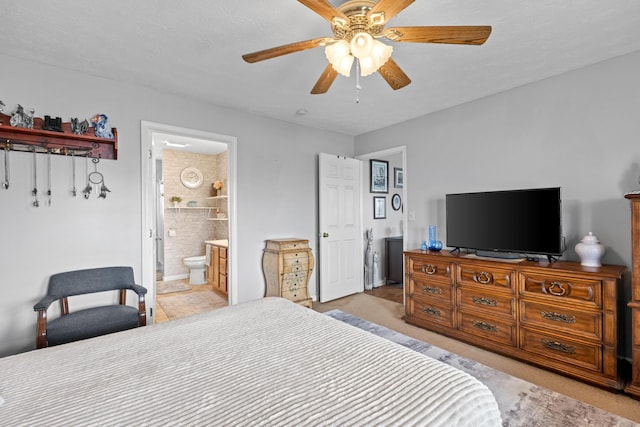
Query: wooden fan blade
x=286 y=49
x=390 y=8
x=324 y=9
x=392 y=73
x=475 y=35
x=325 y=81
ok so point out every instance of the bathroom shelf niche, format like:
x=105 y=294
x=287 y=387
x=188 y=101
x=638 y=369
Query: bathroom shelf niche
x=65 y=142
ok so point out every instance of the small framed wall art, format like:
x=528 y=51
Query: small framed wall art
x=398 y=177
x=396 y=202
x=379 y=207
x=379 y=176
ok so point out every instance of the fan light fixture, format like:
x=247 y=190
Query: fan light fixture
x=358 y=26
x=371 y=54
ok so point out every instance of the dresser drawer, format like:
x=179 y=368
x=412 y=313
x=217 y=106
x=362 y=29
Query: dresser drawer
x=421 y=287
x=293 y=281
x=477 y=299
x=469 y=274
x=295 y=295
x=587 y=293
x=287 y=245
x=559 y=318
x=430 y=311
x=433 y=270
x=586 y=356
x=501 y=331
x=292 y=265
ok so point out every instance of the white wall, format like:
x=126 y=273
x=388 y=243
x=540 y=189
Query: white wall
x=276 y=188
x=579 y=131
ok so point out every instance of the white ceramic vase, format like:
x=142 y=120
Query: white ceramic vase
x=590 y=251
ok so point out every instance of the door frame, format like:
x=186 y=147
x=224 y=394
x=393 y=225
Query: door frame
x=148 y=196
x=402 y=149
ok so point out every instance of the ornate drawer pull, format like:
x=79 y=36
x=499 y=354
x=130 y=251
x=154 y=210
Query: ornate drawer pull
x=557 y=285
x=429 y=269
x=558 y=317
x=554 y=345
x=483 y=277
x=485 y=326
x=431 y=311
x=430 y=290
x=485 y=301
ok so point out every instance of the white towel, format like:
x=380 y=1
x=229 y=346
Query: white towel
x=208 y=255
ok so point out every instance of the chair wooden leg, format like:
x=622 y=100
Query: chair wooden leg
x=142 y=311
x=41 y=329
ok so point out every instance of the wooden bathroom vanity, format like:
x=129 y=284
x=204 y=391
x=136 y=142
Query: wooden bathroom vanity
x=217 y=267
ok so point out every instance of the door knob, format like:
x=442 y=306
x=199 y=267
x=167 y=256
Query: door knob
x=325 y=235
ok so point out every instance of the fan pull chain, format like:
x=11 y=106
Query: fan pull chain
x=358 y=87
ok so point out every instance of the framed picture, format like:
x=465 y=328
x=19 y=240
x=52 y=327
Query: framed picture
x=396 y=202
x=379 y=207
x=398 y=178
x=379 y=176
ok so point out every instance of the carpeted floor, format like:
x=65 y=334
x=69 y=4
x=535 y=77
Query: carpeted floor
x=522 y=403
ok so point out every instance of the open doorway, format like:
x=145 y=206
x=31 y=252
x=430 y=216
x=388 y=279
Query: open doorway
x=385 y=223
x=187 y=166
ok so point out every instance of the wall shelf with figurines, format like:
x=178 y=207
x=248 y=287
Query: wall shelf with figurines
x=21 y=131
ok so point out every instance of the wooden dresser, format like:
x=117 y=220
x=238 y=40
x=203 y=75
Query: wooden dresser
x=634 y=385
x=560 y=316
x=287 y=265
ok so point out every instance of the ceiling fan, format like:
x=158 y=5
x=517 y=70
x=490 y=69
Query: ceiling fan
x=358 y=26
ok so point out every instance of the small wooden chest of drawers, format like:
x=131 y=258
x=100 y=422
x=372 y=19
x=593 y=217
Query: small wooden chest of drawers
x=287 y=265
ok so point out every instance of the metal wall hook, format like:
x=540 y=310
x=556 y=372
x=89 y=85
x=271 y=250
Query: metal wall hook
x=7 y=149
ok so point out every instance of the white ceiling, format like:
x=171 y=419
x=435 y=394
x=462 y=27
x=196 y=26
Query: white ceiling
x=193 y=48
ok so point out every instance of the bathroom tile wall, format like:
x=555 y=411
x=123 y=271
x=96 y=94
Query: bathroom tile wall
x=191 y=226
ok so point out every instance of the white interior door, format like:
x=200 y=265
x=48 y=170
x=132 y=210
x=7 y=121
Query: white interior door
x=341 y=260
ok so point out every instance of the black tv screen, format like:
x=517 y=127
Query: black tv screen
x=515 y=221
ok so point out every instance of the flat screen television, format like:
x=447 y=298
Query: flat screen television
x=512 y=222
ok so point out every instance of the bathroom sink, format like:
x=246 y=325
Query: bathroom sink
x=224 y=243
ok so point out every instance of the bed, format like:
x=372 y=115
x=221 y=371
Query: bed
x=267 y=362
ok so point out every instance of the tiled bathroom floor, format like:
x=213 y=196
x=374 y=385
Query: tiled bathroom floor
x=210 y=300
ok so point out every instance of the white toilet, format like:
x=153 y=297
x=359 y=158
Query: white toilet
x=196 y=266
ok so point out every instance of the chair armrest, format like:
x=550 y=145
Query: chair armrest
x=44 y=303
x=140 y=290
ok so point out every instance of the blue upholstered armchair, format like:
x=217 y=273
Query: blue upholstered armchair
x=90 y=322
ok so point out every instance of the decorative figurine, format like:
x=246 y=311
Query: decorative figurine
x=103 y=128
x=52 y=124
x=20 y=119
x=368 y=261
x=79 y=128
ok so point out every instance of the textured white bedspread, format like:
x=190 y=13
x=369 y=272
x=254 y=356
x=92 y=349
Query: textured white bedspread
x=268 y=362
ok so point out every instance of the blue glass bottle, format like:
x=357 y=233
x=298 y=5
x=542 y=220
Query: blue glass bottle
x=434 y=243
